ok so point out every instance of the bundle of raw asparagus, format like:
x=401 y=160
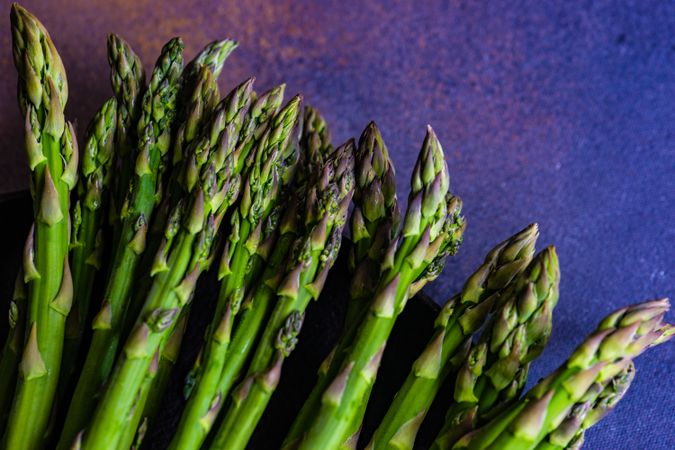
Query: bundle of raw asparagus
x=171 y=181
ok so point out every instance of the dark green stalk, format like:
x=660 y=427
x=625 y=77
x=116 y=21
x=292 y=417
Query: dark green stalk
x=135 y=427
x=186 y=251
x=268 y=172
x=167 y=360
x=154 y=130
x=11 y=351
x=53 y=159
x=313 y=256
x=253 y=394
x=432 y=229
x=620 y=337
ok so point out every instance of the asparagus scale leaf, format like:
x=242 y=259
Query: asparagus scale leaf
x=53 y=159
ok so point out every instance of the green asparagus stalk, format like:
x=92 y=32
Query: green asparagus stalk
x=374 y=221
x=494 y=372
x=11 y=351
x=253 y=394
x=167 y=359
x=150 y=395
x=460 y=318
x=253 y=222
x=223 y=370
x=598 y=401
x=134 y=429
x=187 y=250
x=374 y=224
x=263 y=190
x=53 y=159
x=269 y=172
x=197 y=99
x=620 y=337
x=225 y=120
x=313 y=256
x=149 y=398
x=432 y=229
x=128 y=83
x=219 y=372
x=87 y=233
x=154 y=130
x=368 y=270
x=195 y=112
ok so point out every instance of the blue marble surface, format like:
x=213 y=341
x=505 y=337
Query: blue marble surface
x=556 y=112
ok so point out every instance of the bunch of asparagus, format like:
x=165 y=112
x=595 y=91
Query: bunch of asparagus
x=173 y=181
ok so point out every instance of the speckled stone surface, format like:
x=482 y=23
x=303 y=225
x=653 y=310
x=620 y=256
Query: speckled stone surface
x=557 y=112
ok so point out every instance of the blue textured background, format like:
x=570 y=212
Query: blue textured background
x=556 y=112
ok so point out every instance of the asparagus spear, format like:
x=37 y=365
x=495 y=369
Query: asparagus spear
x=254 y=392
x=202 y=99
x=598 y=401
x=374 y=220
x=225 y=120
x=432 y=228
x=313 y=256
x=213 y=184
x=149 y=397
x=269 y=170
x=459 y=319
x=128 y=84
x=316 y=145
x=167 y=359
x=254 y=223
x=9 y=361
x=620 y=337
x=197 y=100
x=87 y=233
x=154 y=128
x=53 y=159
x=494 y=372
x=212 y=56
x=374 y=223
